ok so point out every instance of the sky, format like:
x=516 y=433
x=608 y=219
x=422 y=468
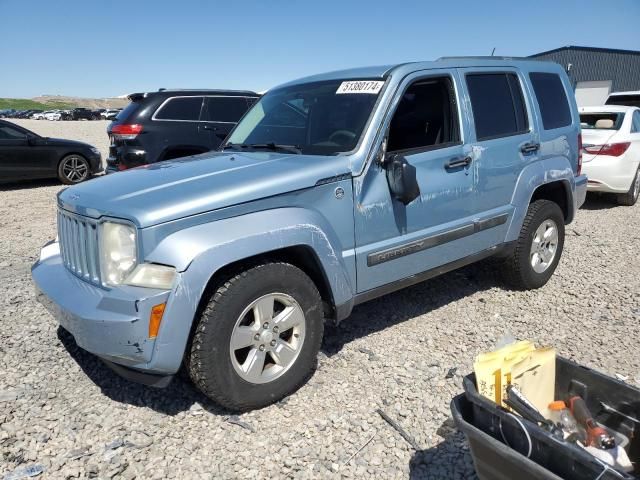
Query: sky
x=103 y=48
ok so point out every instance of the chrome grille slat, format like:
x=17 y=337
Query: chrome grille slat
x=78 y=237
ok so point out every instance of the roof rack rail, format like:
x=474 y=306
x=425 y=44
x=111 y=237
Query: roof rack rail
x=482 y=57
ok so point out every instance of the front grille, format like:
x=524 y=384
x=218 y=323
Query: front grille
x=78 y=237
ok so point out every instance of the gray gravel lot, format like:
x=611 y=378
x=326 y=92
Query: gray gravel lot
x=61 y=408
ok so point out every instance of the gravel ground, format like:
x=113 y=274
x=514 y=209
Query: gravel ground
x=62 y=409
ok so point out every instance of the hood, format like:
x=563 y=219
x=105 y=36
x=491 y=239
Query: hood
x=595 y=136
x=174 y=189
x=63 y=142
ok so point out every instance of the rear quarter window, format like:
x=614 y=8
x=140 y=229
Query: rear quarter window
x=180 y=108
x=552 y=100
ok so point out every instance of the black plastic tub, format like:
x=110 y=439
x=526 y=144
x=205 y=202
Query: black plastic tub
x=502 y=451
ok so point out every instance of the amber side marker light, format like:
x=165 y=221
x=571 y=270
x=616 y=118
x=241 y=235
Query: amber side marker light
x=155 y=318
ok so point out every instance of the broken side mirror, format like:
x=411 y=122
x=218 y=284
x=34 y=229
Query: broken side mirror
x=401 y=177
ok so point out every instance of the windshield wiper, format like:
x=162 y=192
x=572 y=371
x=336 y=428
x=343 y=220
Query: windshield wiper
x=267 y=146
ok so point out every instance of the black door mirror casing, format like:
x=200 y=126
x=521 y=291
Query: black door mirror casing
x=31 y=140
x=401 y=177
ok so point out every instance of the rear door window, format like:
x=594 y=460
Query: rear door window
x=180 y=108
x=497 y=104
x=552 y=100
x=225 y=109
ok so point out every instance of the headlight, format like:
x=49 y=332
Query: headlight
x=117 y=252
x=152 y=276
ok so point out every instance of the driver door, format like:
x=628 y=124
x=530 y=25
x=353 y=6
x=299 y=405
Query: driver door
x=17 y=157
x=395 y=241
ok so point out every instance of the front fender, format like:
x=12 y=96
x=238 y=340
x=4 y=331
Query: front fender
x=200 y=251
x=533 y=176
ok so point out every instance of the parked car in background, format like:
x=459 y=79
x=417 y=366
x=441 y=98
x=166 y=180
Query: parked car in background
x=629 y=99
x=110 y=113
x=170 y=124
x=6 y=113
x=39 y=115
x=26 y=155
x=83 y=114
x=611 y=143
x=331 y=191
x=53 y=115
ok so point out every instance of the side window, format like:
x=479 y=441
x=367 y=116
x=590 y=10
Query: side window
x=498 y=105
x=10 y=133
x=180 y=108
x=552 y=100
x=635 y=124
x=427 y=116
x=225 y=109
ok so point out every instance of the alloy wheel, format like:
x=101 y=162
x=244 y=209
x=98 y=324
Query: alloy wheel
x=267 y=338
x=75 y=169
x=544 y=246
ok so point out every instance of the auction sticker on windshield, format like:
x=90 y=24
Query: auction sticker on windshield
x=360 y=86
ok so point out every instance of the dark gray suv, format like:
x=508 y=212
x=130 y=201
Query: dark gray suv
x=170 y=124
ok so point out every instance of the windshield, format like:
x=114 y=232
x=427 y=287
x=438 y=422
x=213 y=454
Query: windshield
x=320 y=118
x=601 y=121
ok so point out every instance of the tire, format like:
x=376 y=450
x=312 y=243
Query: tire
x=630 y=198
x=218 y=370
x=520 y=272
x=73 y=169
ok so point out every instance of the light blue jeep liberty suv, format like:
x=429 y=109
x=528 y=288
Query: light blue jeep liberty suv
x=331 y=191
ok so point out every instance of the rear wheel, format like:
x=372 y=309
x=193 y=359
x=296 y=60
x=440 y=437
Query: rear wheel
x=258 y=338
x=538 y=249
x=73 y=169
x=631 y=197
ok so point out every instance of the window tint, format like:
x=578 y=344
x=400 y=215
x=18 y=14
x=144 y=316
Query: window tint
x=498 y=105
x=225 y=109
x=552 y=100
x=426 y=116
x=635 y=125
x=180 y=108
x=10 y=133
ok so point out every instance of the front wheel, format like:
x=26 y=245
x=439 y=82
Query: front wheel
x=538 y=249
x=258 y=338
x=73 y=169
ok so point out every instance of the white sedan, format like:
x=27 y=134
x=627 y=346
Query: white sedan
x=611 y=150
x=53 y=115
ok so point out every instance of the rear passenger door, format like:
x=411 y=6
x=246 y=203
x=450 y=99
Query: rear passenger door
x=503 y=137
x=220 y=115
x=180 y=117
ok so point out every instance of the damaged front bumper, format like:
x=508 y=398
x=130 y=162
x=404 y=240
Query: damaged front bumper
x=110 y=323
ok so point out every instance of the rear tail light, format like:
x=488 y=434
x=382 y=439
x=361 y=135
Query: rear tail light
x=579 y=167
x=610 y=149
x=126 y=131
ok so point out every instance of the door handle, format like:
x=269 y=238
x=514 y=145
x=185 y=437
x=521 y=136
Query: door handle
x=458 y=162
x=210 y=127
x=530 y=147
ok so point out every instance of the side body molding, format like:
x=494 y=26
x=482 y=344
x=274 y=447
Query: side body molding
x=531 y=177
x=200 y=251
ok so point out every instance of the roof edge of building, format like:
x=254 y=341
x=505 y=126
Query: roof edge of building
x=592 y=49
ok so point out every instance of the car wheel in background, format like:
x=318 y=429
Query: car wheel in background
x=73 y=169
x=631 y=197
x=538 y=249
x=258 y=338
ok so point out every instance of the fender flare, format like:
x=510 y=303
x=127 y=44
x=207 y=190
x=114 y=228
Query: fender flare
x=534 y=175
x=200 y=251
